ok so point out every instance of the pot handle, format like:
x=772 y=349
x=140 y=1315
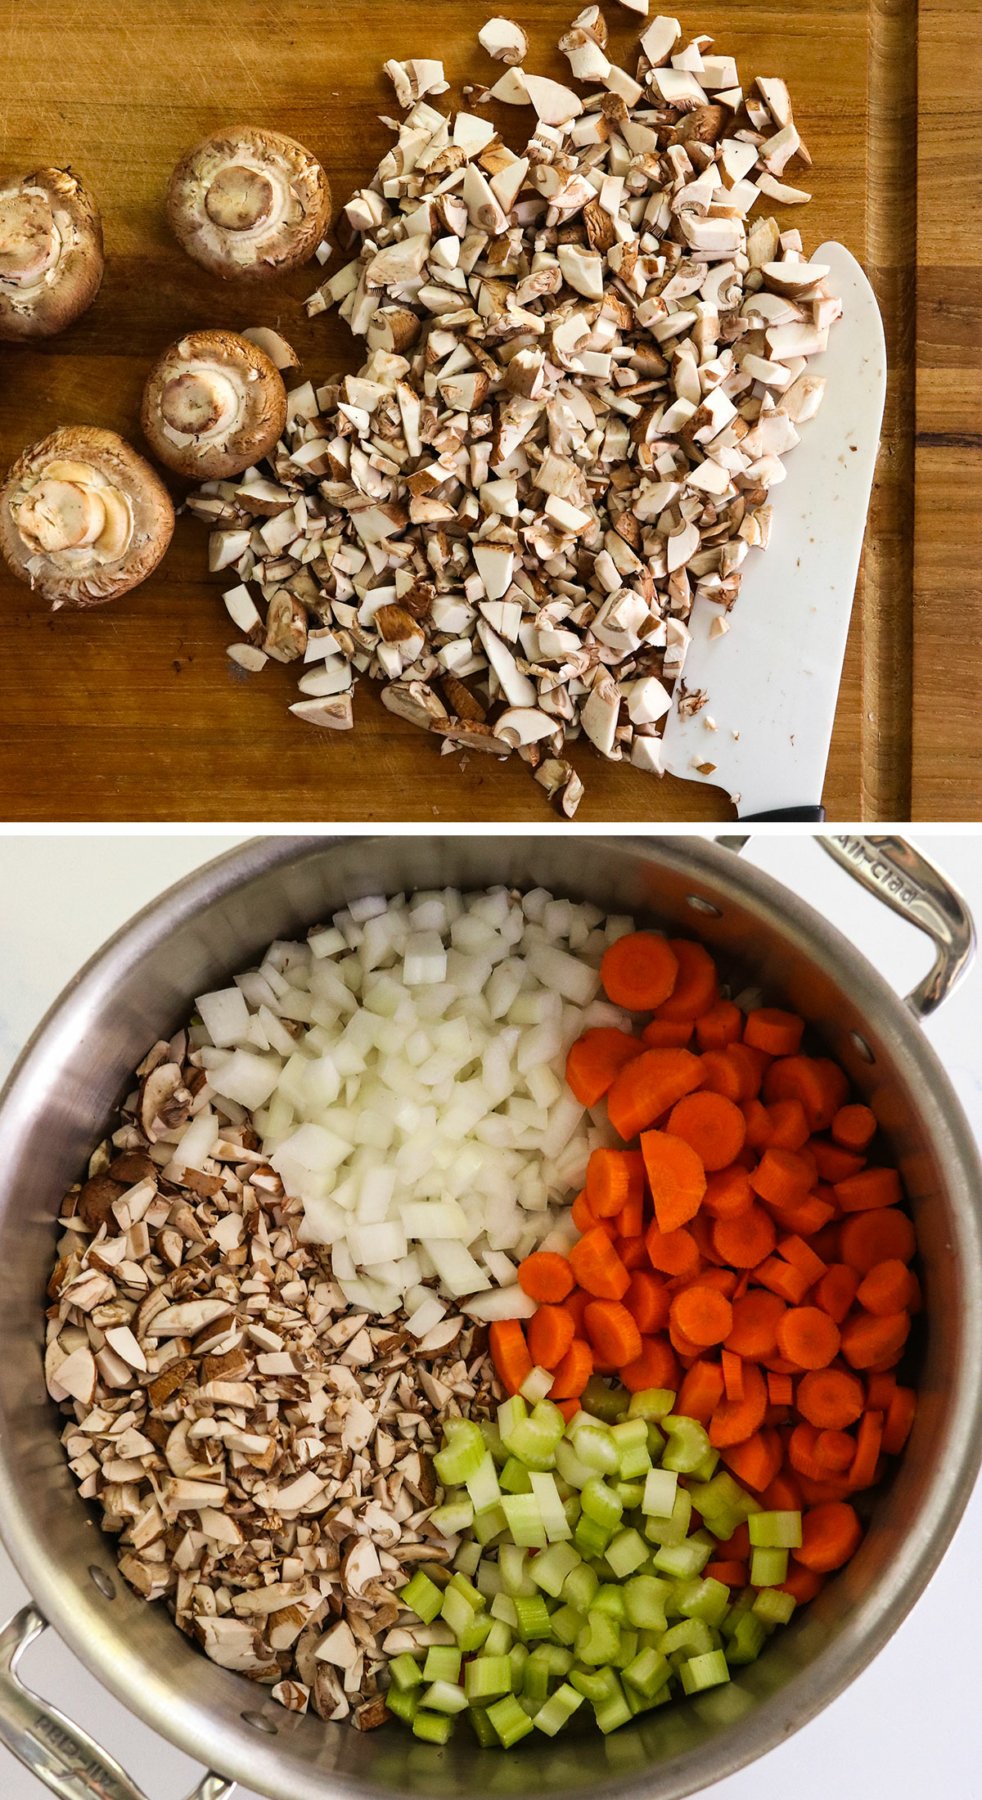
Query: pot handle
x=905 y=880
x=61 y=1754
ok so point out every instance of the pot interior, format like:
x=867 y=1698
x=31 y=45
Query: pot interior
x=210 y=928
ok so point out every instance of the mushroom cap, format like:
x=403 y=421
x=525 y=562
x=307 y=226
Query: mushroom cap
x=51 y=258
x=83 y=517
x=249 y=203
x=213 y=404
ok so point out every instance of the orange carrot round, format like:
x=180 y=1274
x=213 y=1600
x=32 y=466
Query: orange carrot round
x=829 y=1536
x=832 y=1162
x=728 y=1193
x=572 y=1373
x=768 y=1028
x=788 y=1125
x=868 y=1341
x=701 y=1391
x=808 y=1337
x=755 y=1321
x=509 y=1353
x=667 y=1034
x=835 y=1450
x=872 y=1237
x=721 y=1075
x=745 y=1241
x=889 y=1287
x=711 y=1125
x=672 y=1252
x=899 y=1419
x=638 y=971
x=802 y=1584
x=550 y=1332
x=703 y=1314
x=595 y=1060
x=756 y=1462
x=656 y=1367
x=830 y=1399
x=695 y=983
x=676 y=1178
x=597 y=1266
x=734 y=1421
x=782 y=1177
x=608 y=1182
x=732 y=1574
x=545 y=1276
x=854 y=1127
x=613 y=1333
x=720 y=1026
x=647 y=1087
x=870 y=1188
x=647 y=1300
x=869 y=1438
x=818 y=1083
x=750 y=1065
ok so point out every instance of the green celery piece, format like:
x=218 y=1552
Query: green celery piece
x=660 y=1490
x=518 y=1657
x=630 y=1645
x=626 y=1553
x=590 y=1538
x=613 y=1713
x=551 y=1510
x=499 y=1639
x=569 y=1465
x=610 y=1403
x=510 y=1722
x=704 y=1598
x=595 y=1446
x=675 y=1529
x=630 y=1431
x=633 y=1463
x=492 y=1442
x=524 y=1520
x=551 y=1568
x=475 y=1599
x=773 y=1607
x=651 y=1404
x=775 y=1530
x=453 y=1519
x=467 y=1558
x=503 y=1610
x=599 y=1641
x=533 y=1444
x=558 y=1710
x=566 y=1622
x=656 y=1442
x=482 y=1483
x=700 y=1672
x=405 y=1671
x=403 y=1703
x=629 y=1493
x=681 y=1560
x=548 y=1417
x=433 y=1727
x=487 y=1678
x=692 y=1636
x=557 y=1658
x=535 y=1681
x=423 y=1597
x=644 y=1602
x=609 y=1599
x=580 y=1586
x=601 y=1504
x=510 y=1413
x=445 y=1697
x=461 y=1455
x=487 y=1577
x=596 y=1685
x=533 y=1618
x=513 y=1562
x=768 y=1568
x=482 y=1728
x=475 y=1635
x=688 y=1443
x=648 y=1672
x=442 y=1663
x=706 y=1466
x=747 y=1641
x=729 y=1496
x=514 y=1477
x=536 y=1385
x=489 y=1524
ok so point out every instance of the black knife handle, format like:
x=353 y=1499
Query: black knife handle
x=786 y=815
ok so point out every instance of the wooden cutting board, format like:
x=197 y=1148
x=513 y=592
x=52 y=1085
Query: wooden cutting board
x=132 y=711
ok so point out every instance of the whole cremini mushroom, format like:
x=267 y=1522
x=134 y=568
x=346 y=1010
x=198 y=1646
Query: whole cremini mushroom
x=213 y=404
x=50 y=253
x=83 y=517
x=249 y=203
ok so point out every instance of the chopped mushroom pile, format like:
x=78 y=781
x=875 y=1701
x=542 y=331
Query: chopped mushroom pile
x=586 y=363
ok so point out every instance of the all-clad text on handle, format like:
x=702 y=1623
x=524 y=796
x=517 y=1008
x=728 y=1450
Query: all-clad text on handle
x=911 y=885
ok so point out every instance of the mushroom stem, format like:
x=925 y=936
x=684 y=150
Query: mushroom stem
x=239 y=198
x=201 y=403
x=60 y=515
x=27 y=237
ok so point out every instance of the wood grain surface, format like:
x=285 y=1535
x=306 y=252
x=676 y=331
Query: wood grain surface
x=132 y=711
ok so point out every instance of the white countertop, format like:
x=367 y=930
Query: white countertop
x=909 y=1727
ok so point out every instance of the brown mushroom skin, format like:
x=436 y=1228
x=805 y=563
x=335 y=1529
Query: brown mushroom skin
x=249 y=203
x=100 y=488
x=41 y=294
x=186 y=392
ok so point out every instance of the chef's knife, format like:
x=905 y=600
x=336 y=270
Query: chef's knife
x=772 y=679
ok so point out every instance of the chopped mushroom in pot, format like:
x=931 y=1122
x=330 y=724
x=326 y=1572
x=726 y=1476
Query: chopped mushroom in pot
x=83 y=517
x=248 y=203
x=213 y=404
x=51 y=258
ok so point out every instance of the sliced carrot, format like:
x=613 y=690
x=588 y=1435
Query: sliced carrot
x=758 y=1122
x=731 y=1574
x=829 y=1536
x=672 y=1252
x=545 y=1276
x=612 y=1178
x=755 y=1462
x=701 y=1228
x=899 y=1419
x=869 y=1238
x=755 y=1321
x=732 y=1367
x=889 y=1287
x=612 y=1331
x=870 y=1188
x=819 y=1084
x=711 y=1125
x=833 y=1163
x=854 y=1127
x=667 y=1034
x=723 y=1280
x=595 y=1060
x=783 y=1494
x=783 y=1279
x=802 y=1584
x=646 y=1088
x=835 y=1451
x=737 y=1546
x=647 y=1300
x=804 y=1217
x=745 y=1241
x=830 y=1399
x=780 y=1389
x=701 y=1391
x=550 y=1332
x=676 y=1178
x=880 y=1389
x=703 y=1314
x=721 y=1025
x=869 y=1438
x=695 y=983
x=632 y=1252
x=782 y=1177
x=868 y=1341
x=795 y=1250
x=509 y=1353
x=576 y=1305
x=734 y=1421
x=597 y=1266
x=768 y=1028
x=802 y=1452
x=568 y=1408
x=656 y=1367
x=836 y=1290
x=573 y=1372
x=751 y=1066
x=639 y=971
x=721 y=1074
x=581 y=1212
x=807 y=1336
x=788 y=1125
x=684 y=1348
x=728 y=1193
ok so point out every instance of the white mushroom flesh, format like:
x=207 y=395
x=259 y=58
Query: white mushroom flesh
x=72 y=511
x=31 y=238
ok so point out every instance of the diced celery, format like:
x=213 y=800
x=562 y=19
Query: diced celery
x=651 y=1403
x=723 y=1494
x=774 y=1607
x=705 y=1671
x=644 y=1601
x=551 y=1511
x=648 y=1672
x=489 y=1523
x=656 y=1442
x=536 y=1385
x=445 y=1697
x=475 y=1599
x=453 y=1519
x=596 y=1685
x=422 y=1596
x=632 y=1430
x=535 y=1681
x=442 y=1663
x=510 y=1722
x=475 y=1635
x=768 y=1568
x=533 y=1618
x=590 y=1538
x=487 y=1576
x=594 y=1445
x=492 y=1441
x=747 y=1641
x=673 y=1530
x=549 y=1570
x=660 y=1489
x=513 y=1562
x=566 y=1623
x=487 y=1678
x=558 y=1710
x=775 y=1530
x=599 y=1641
x=626 y=1552
x=533 y=1444
x=515 y=1478
x=467 y=1558
x=609 y=1599
x=405 y=1671
x=510 y=1412
x=682 y=1560
x=704 y=1598
x=612 y=1713
x=706 y=1466
x=601 y=1504
x=433 y=1727
x=687 y=1444
x=482 y=1484
x=482 y=1727
x=518 y=1657
x=610 y=1403
x=403 y=1702
x=457 y=1611
x=499 y=1639
x=691 y=1636
x=503 y=1610
x=558 y=1658
x=524 y=1520
x=463 y=1452
x=549 y=1418
x=580 y=1586
x=629 y=1493
x=630 y=1645
x=569 y=1465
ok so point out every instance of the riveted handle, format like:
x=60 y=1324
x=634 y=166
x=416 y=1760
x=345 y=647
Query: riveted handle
x=61 y=1754
x=911 y=885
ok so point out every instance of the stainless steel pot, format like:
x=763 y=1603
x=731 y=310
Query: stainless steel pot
x=58 y=1100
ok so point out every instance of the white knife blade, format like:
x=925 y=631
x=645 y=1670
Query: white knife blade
x=773 y=678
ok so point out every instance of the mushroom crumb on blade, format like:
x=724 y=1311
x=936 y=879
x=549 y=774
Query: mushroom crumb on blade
x=83 y=517
x=51 y=259
x=586 y=363
x=248 y=203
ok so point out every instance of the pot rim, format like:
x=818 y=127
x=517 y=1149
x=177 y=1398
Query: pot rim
x=253 y=1759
